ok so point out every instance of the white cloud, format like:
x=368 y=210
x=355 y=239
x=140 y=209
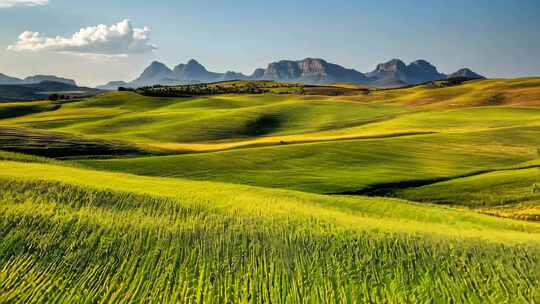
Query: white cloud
x=120 y=39
x=12 y=3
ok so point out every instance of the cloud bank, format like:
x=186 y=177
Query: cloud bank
x=120 y=39
x=12 y=3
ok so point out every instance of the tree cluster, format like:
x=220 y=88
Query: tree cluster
x=211 y=89
x=55 y=97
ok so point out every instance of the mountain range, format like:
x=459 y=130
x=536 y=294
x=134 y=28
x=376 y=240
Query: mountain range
x=394 y=73
x=42 y=90
x=36 y=79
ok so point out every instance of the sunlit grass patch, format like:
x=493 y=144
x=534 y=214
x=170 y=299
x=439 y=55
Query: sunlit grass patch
x=166 y=240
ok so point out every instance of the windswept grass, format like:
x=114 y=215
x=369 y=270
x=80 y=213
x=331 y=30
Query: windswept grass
x=166 y=240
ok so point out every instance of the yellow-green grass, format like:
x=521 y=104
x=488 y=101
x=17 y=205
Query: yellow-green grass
x=140 y=119
x=341 y=166
x=236 y=121
x=57 y=144
x=20 y=157
x=72 y=234
x=461 y=120
x=454 y=120
x=249 y=200
x=359 y=141
x=16 y=109
x=494 y=92
x=508 y=193
x=68 y=236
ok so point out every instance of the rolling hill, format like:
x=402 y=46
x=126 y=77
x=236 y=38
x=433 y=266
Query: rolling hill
x=317 y=143
x=419 y=194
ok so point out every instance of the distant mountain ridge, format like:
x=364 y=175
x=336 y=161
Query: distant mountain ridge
x=394 y=73
x=42 y=90
x=311 y=71
x=36 y=79
x=466 y=73
x=5 y=79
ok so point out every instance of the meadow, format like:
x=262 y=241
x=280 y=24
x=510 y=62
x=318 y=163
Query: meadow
x=134 y=238
x=422 y=194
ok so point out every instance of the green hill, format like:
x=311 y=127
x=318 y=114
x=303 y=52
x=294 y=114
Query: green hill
x=422 y=194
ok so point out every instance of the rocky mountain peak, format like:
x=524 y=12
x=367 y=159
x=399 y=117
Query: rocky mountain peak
x=421 y=62
x=394 y=73
x=421 y=71
x=156 y=67
x=466 y=73
x=393 y=65
x=313 y=65
x=282 y=70
x=257 y=74
x=193 y=62
x=153 y=74
x=193 y=66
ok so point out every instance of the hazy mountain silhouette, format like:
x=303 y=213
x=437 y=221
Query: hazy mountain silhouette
x=394 y=73
x=42 y=90
x=4 y=79
x=311 y=71
x=466 y=73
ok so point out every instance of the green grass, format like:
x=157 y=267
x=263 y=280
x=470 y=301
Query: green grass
x=17 y=109
x=56 y=144
x=245 y=220
x=341 y=166
x=220 y=122
x=168 y=240
x=507 y=193
x=489 y=189
x=128 y=116
x=20 y=157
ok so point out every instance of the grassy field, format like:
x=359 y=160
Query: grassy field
x=249 y=197
x=171 y=240
x=209 y=123
x=505 y=193
x=55 y=144
x=340 y=166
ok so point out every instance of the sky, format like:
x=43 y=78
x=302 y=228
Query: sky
x=99 y=41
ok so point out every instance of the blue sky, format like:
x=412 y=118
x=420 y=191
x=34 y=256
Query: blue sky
x=496 y=38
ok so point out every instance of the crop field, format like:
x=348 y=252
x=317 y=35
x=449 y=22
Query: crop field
x=426 y=194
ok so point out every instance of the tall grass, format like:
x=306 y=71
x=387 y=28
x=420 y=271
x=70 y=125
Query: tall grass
x=66 y=243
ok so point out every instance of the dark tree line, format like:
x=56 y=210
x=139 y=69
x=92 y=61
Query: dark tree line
x=211 y=89
x=55 y=97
